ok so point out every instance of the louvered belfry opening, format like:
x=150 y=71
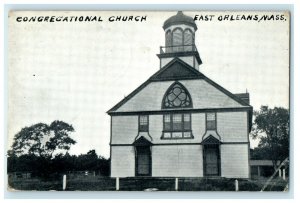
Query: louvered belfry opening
x=180 y=32
x=179 y=40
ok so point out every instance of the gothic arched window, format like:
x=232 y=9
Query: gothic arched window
x=177 y=96
x=177 y=39
x=188 y=39
x=168 y=41
x=168 y=38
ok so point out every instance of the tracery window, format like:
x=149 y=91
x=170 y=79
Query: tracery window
x=177 y=96
x=177 y=125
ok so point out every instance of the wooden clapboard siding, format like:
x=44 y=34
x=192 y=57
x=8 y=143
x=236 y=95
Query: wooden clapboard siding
x=203 y=94
x=177 y=161
x=234 y=160
x=232 y=126
x=187 y=59
x=122 y=161
x=124 y=129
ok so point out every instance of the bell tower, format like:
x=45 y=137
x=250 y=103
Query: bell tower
x=180 y=41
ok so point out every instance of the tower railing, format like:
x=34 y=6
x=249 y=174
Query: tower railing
x=177 y=48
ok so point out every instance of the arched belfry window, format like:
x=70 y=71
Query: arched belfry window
x=177 y=96
x=168 y=41
x=168 y=38
x=177 y=39
x=188 y=39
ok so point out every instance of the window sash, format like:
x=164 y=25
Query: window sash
x=187 y=125
x=143 y=123
x=210 y=116
x=167 y=122
x=211 y=121
x=177 y=135
x=177 y=123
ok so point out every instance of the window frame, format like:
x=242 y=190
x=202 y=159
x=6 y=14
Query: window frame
x=178 y=47
x=182 y=130
x=170 y=91
x=168 y=39
x=215 y=121
x=139 y=123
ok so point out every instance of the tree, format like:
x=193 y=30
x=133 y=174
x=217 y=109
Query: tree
x=43 y=140
x=272 y=127
x=91 y=161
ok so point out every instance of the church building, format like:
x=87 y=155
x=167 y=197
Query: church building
x=180 y=123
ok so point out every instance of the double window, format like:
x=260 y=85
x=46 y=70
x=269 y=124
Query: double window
x=177 y=126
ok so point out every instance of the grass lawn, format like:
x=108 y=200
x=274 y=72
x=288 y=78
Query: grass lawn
x=99 y=183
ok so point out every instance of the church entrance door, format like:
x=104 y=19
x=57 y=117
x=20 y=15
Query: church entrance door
x=143 y=161
x=211 y=160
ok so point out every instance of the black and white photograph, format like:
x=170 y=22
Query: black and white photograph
x=177 y=100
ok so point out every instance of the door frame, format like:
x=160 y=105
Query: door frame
x=136 y=161
x=142 y=142
x=217 y=146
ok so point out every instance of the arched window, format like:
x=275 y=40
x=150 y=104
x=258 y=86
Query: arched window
x=188 y=39
x=177 y=125
x=168 y=41
x=177 y=96
x=177 y=39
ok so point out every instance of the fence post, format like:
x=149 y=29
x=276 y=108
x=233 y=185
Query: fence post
x=279 y=172
x=117 y=183
x=176 y=184
x=64 y=182
x=283 y=174
x=236 y=185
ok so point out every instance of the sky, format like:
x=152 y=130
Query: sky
x=76 y=71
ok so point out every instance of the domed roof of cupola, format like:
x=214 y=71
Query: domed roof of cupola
x=178 y=19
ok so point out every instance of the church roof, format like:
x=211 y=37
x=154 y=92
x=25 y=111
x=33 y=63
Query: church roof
x=178 y=19
x=211 y=140
x=178 y=70
x=142 y=141
x=175 y=70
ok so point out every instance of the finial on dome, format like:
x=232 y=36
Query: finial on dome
x=180 y=19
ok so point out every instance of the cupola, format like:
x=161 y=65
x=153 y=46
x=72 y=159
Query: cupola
x=180 y=41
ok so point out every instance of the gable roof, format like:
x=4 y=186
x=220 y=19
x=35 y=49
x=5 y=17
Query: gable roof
x=177 y=70
x=142 y=141
x=211 y=140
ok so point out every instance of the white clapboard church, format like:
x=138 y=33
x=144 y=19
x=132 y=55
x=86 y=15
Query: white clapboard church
x=180 y=123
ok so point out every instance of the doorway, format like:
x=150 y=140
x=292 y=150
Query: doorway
x=143 y=161
x=211 y=155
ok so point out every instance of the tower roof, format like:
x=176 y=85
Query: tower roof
x=178 y=19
